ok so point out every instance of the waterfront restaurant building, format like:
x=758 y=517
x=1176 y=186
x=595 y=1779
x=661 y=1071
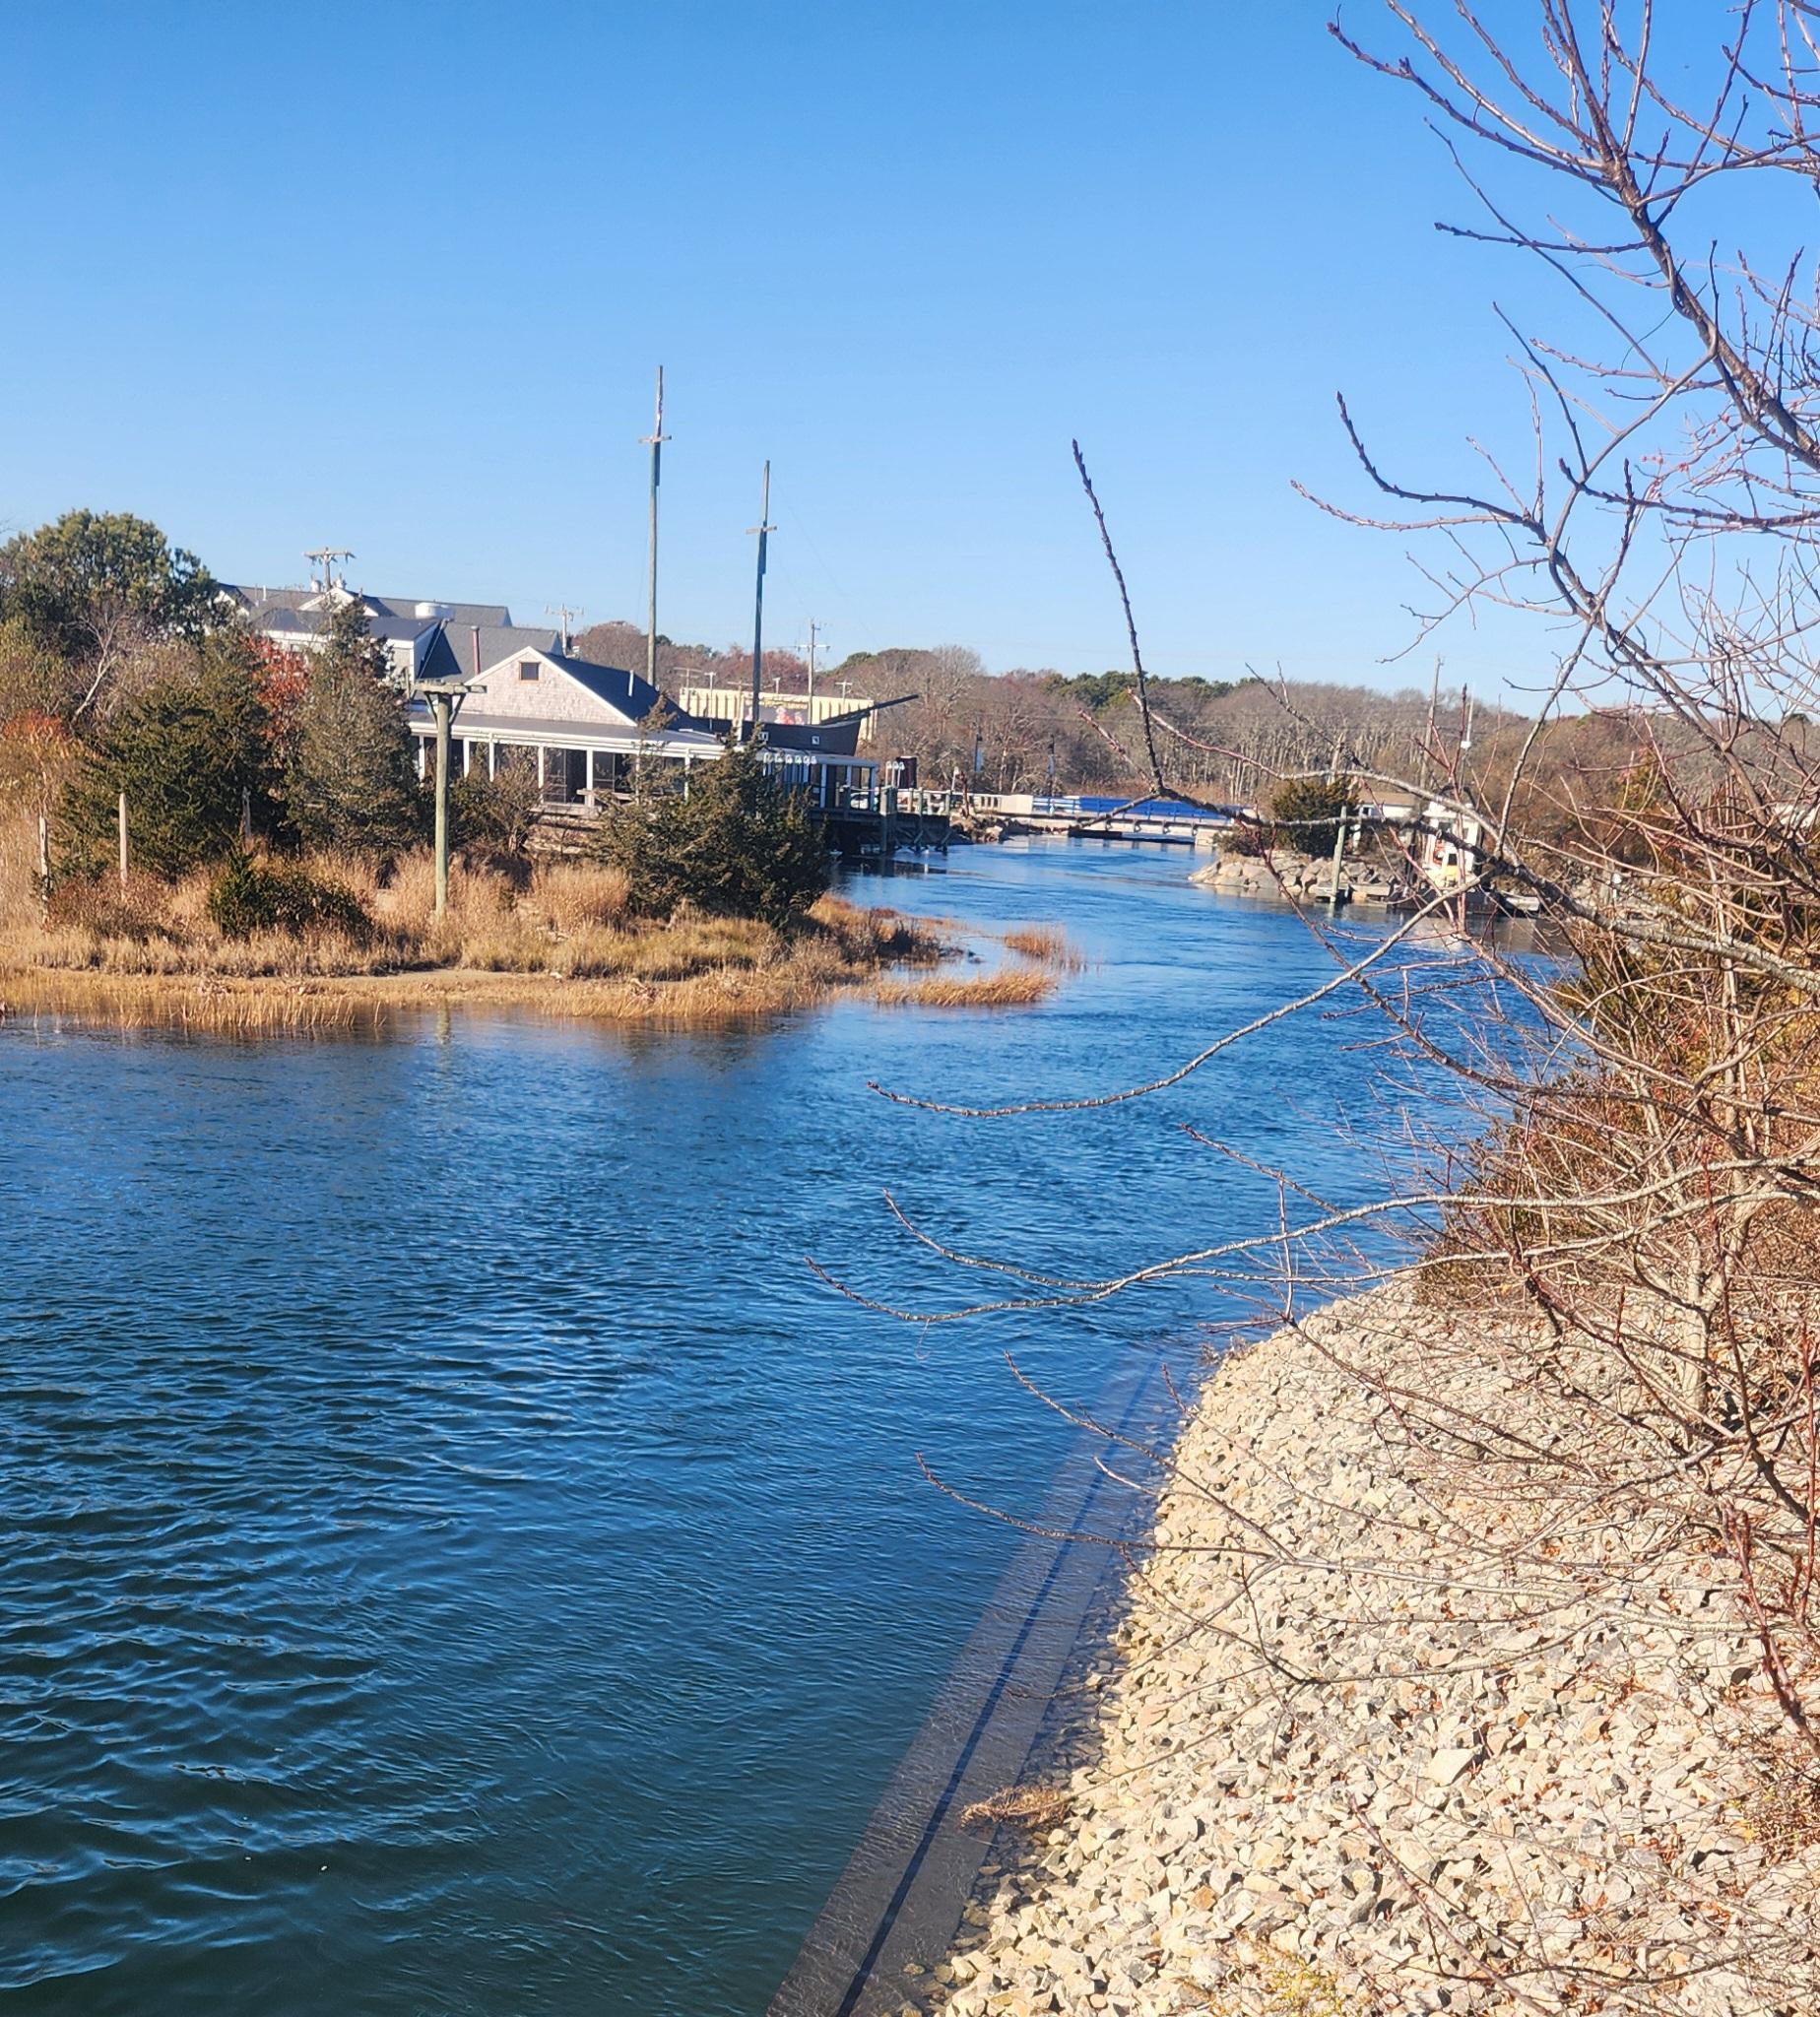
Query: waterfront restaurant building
x=528 y=701
x=586 y=727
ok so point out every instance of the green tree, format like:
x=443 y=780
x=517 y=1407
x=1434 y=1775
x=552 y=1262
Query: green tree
x=349 y=776
x=189 y=752
x=737 y=844
x=35 y=678
x=1308 y=811
x=94 y=585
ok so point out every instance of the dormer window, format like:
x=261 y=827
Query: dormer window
x=528 y=669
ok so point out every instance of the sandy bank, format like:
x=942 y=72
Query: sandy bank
x=1385 y=1730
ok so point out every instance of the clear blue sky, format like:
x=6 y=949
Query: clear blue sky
x=396 y=278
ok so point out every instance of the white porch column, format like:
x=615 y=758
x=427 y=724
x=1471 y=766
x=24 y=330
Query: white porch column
x=588 y=774
x=492 y=760
x=539 y=768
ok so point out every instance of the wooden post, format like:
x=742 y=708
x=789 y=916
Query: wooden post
x=1339 y=849
x=123 y=846
x=44 y=865
x=440 y=709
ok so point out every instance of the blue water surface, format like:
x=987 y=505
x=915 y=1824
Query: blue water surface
x=457 y=1555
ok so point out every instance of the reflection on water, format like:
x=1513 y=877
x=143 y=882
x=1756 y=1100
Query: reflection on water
x=458 y=1558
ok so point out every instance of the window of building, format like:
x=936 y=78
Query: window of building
x=528 y=669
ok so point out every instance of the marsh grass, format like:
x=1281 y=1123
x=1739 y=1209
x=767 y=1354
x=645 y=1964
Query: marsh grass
x=1047 y=944
x=555 y=940
x=1012 y=987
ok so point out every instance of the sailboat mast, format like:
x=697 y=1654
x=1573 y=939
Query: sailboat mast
x=655 y=440
x=763 y=529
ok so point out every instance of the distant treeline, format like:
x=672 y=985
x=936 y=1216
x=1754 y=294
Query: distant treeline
x=1230 y=741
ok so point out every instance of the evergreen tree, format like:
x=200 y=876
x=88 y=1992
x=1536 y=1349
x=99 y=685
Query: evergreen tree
x=1308 y=811
x=189 y=752
x=349 y=777
x=737 y=844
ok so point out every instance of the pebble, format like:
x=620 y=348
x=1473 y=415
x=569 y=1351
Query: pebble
x=1412 y=1764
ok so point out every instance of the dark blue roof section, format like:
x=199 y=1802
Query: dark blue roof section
x=829 y=737
x=633 y=696
x=440 y=661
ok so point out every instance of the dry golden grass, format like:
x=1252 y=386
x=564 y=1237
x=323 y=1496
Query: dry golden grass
x=1011 y=988
x=557 y=940
x=253 y=1005
x=1047 y=944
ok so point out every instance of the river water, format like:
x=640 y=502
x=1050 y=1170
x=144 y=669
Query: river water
x=457 y=1556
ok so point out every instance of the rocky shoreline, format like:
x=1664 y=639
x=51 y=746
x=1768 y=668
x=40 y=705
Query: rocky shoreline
x=1354 y=1744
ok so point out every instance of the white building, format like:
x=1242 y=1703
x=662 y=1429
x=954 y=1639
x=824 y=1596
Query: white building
x=297 y=620
x=583 y=725
x=525 y=699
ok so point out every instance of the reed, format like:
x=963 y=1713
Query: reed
x=555 y=940
x=1010 y=988
x=1047 y=944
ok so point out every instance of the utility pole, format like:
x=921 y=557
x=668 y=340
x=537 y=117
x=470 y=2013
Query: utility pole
x=813 y=627
x=326 y=557
x=763 y=529
x=655 y=443
x=562 y=611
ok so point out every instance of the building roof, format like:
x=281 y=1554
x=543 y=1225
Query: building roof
x=499 y=641
x=487 y=614
x=634 y=696
x=823 y=738
x=268 y=608
x=562 y=734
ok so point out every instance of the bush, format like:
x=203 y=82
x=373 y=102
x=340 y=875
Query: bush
x=1308 y=813
x=493 y=815
x=738 y=844
x=1245 y=839
x=249 y=896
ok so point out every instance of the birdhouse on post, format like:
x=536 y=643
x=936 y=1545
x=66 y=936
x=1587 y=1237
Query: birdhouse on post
x=441 y=683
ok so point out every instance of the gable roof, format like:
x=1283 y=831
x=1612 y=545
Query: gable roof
x=501 y=641
x=623 y=690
